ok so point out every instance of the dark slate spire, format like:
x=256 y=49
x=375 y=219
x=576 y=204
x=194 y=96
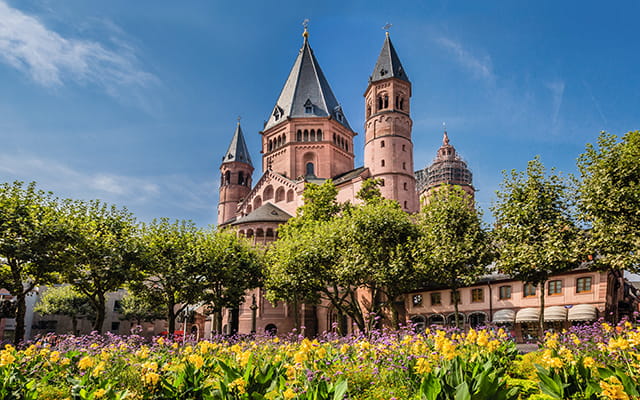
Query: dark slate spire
x=237 y=149
x=388 y=65
x=306 y=93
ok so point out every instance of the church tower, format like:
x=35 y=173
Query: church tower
x=388 y=149
x=235 y=171
x=307 y=134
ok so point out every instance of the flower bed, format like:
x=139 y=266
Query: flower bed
x=599 y=362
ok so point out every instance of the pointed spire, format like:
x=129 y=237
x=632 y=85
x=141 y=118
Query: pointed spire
x=445 y=138
x=388 y=64
x=306 y=93
x=238 y=150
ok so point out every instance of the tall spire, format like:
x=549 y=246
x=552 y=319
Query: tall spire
x=306 y=93
x=238 y=150
x=388 y=64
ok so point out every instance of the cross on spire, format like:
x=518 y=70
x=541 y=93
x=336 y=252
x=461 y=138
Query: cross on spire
x=386 y=28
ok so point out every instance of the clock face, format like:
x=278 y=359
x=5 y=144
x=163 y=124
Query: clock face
x=417 y=299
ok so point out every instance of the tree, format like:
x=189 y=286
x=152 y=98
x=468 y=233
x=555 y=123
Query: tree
x=104 y=252
x=535 y=232
x=609 y=200
x=376 y=240
x=332 y=254
x=34 y=238
x=453 y=248
x=66 y=301
x=168 y=266
x=227 y=267
x=141 y=309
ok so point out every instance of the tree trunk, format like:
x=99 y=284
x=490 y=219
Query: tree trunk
x=21 y=310
x=218 y=315
x=296 y=314
x=456 y=314
x=171 y=315
x=541 y=319
x=99 y=322
x=74 y=325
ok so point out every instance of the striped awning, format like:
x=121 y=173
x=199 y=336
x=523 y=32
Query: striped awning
x=502 y=316
x=528 y=315
x=555 y=313
x=583 y=312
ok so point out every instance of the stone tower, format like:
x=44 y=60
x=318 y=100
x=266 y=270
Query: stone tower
x=307 y=134
x=448 y=168
x=388 y=150
x=235 y=172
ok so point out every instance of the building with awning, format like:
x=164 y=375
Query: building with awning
x=504 y=317
x=583 y=312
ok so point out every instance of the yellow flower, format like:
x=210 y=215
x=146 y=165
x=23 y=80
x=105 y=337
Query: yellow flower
x=86 y=362
x=65 y=361
x=174 y=345
x=6 y=358
x=31 y=350
x=54 y=356
x=150 y=379
x=291 y=372
x=493 y=345
x=99 y=393
x=289 y=394
x=588 y=362
x=321 y=353
x=196 y=360
x=98 y=369
x=612 y=389
x=483 y=339
x=244 y=357
x=239 y=385
x=300 y=357
x=344 y=349
x=422 y=366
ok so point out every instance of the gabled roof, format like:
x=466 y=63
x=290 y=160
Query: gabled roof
x=388 y=64
x=265 y=213
x=349 y=175
x=306 y=93
x=238 y=150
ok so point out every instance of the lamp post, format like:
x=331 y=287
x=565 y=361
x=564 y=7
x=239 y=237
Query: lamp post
x=254 y=308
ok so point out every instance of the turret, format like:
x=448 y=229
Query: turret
x=235 y=177
x=388 y=149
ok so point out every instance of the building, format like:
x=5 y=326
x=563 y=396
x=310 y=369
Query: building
x=308 y=138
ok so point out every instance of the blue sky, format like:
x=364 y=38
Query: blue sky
x=135 y=102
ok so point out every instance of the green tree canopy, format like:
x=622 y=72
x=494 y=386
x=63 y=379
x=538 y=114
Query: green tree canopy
x=141 y=309
x=454 y=248
x=104 y=252
x=34 y=239
x=609 y=200
x=227 y=266
x=65 y=300
x=168 y=265
x=535 y=231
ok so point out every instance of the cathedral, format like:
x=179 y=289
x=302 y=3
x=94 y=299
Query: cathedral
x=308 y=138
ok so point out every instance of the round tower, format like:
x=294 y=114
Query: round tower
x=448 y=168
x=388 y=149
x=235 y=177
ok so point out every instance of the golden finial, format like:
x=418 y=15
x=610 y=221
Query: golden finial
x=386 y=28
x=305 y=23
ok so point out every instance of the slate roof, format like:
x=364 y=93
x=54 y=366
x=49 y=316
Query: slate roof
x=388 y=64
x=306 y=93
x=265 y=213
x=349 y=175
x=238 y=150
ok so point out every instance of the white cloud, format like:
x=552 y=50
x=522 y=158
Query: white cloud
x=557 y=94
x=479 y=67
x=153 y=196
x=52 y=60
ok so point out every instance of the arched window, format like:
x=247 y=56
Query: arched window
x=299 y=136
x=386 y=101
x=334 y=139
x=368 y=111
x=269 y=233
x=313 y=135
x=290 y=195
x=279 y=194
x=268 y=193
x=227 y=177
x=382 y=143
x=284 y=139
x=382 y=163
x=279 y=141
x=380 y=103
x=241 y=233
x=257 y=202
x=319 y=135
x=405 y=204
x=259 y=232
x=310 y=169
x=405 y=186
x=306 y=135
x=402 y=104
x=240 y=178
x=397 y=101
x=346 y=146
x=404 y=165
x=249 y=209
x=270 y=146
x=249 y=233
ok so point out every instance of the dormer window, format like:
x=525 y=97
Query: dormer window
x=308 y=107
x=277 y=113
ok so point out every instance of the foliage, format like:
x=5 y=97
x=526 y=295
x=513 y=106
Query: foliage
x=535 y=232
x=609 y=200
x=103 y=252
x=34 y=237
x=65 y=300
x=227 y=266
x=140 y=309
x=453 y=248
x=168 y=267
